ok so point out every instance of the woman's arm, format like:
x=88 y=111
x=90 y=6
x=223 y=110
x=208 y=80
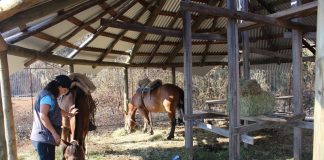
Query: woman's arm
x=73 y=112
x=44 y=109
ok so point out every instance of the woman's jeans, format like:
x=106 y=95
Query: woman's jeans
x=45 y=151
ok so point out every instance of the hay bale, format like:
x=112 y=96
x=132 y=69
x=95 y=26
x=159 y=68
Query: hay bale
x=254 y=100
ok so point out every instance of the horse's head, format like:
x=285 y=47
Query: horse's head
x=73 y=151
x=130 y=122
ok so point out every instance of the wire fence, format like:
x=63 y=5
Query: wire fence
x=28 y=82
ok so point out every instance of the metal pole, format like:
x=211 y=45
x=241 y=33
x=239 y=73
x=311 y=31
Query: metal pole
x=3 y=146
x=187 y=47
x=7 y=108
x=318 y=146
x=233 y=83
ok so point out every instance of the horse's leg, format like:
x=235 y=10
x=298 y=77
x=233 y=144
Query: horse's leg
x=173 y=123
x=145 y=115
x=151 y=123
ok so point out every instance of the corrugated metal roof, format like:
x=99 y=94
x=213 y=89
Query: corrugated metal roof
x=266 y=37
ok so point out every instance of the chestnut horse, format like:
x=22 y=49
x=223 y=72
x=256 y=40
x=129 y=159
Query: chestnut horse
x=165 y=98
x=75 y=129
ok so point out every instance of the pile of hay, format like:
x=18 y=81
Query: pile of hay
x=254 y=100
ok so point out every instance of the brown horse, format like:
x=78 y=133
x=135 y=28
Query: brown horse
x=75 y=129
x=165 y=98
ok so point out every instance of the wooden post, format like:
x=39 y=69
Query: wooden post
x=126 y=89
x=318 y=146
x=246 y=48
x=9 y=124
x=71 y=68
x=187 y=59
x=233 y=84
x=173 y=76
x=297 y=82
x=3 y=146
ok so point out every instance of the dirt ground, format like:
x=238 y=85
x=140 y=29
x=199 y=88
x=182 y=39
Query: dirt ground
x=110 y=142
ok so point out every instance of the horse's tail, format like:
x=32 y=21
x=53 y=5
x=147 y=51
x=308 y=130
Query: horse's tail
x=181 y=107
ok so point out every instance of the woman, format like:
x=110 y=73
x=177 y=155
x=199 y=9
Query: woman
x=48 y=117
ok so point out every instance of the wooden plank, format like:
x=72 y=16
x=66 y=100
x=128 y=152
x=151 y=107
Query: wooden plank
x=318 y=143
x=224 y=132
x=159 y=31
x=217 y=101
x=254 y=127
x=187 y=64
x=218 y=11
x=203 y=116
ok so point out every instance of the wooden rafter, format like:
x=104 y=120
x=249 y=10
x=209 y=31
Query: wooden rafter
x=46 y=24
x=160 y=41
x=217 y=11
x=194 y=27
x=121 y=35
x=271 y=10
x=149 y=22
x=80 y=27
x=203 y=58
x=310 y=7
x=160 y=31
x=36 y=12
x=127 y=5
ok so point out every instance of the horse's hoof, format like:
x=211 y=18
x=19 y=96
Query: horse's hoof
x=152 y=133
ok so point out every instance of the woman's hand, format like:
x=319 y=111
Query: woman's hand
x=57 y=139
x=73 y=111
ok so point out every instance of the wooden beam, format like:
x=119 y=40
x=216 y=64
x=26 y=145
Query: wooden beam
x=160 y=41
x=126 y=6
x=36 y=12
x=121 y=35
x=233 y=83
x=6 y=104
x=29 y=53
x=46 y=24
x=12 y=7
x=221 y=131
x=159 y=31
x=3 y=143
x=77 y=30
x=217 y=11
x=291 y=12
x=194 y=27
x=187 y=65
x=269 y=53
x=318 y=145
x=154 y=14
x=297 y=83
